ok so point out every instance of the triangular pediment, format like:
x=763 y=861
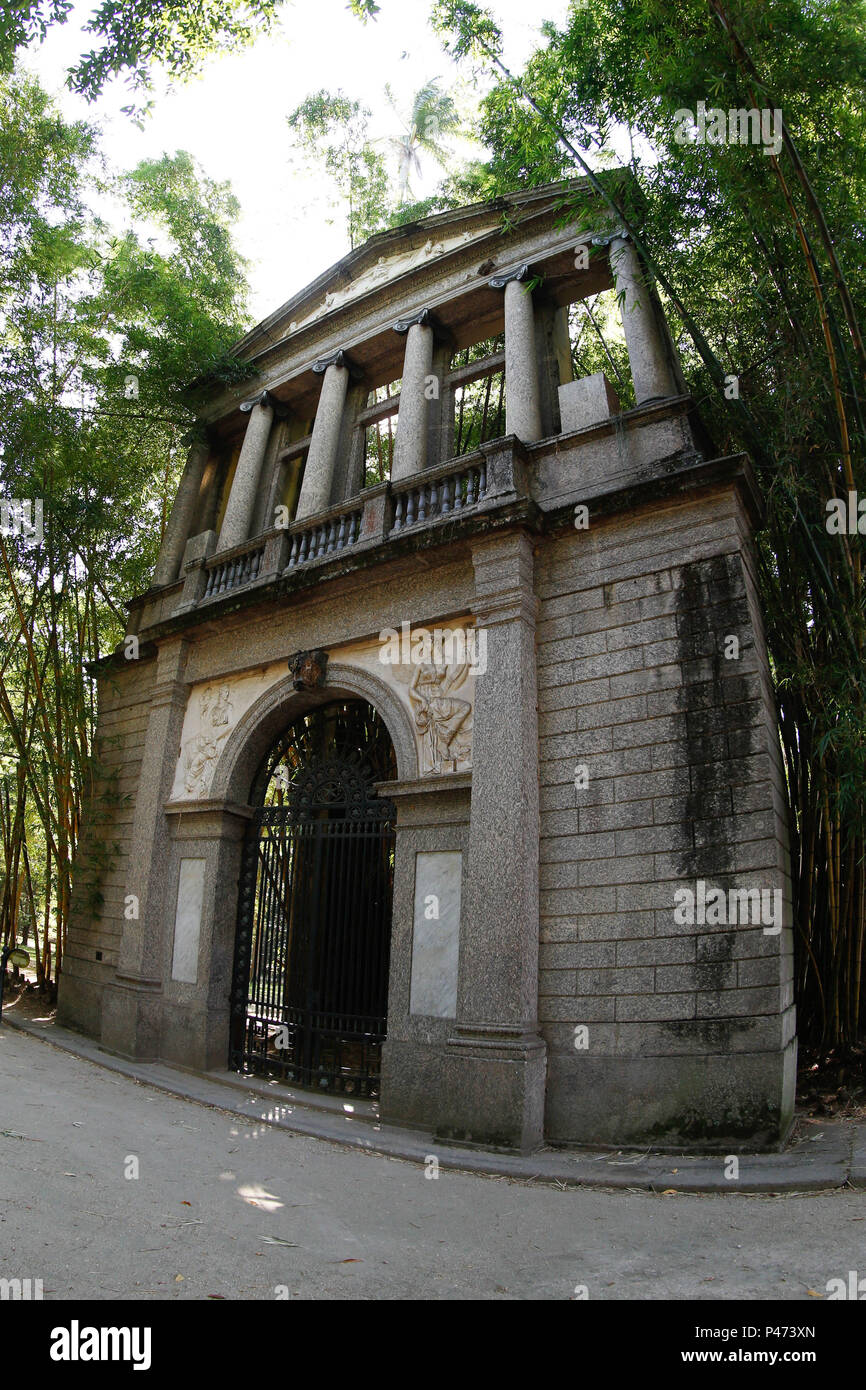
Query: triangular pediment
x=392 y=254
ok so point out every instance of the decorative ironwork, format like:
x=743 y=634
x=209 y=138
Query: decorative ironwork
x=310 y=988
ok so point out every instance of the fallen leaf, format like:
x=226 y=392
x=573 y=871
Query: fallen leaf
x=670 y=1192
x=813 y=1294
x=278 y=1240
x=178 y=1278
x=186 y=1204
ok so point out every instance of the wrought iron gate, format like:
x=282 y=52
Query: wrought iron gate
x=310 y=991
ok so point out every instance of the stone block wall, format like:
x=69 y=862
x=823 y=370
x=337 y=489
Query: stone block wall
x=688 y=1025
x=102 y=867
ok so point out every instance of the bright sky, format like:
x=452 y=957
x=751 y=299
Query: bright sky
x=233 y=118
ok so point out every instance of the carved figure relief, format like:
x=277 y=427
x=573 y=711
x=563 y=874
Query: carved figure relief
x=202 y=750
x=434 y=680
x=443 y=718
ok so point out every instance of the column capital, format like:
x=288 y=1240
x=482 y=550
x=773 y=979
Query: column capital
x=505 y=277
x=424 y=317
x=267 y=402
x=338 y=358
x=605 y=238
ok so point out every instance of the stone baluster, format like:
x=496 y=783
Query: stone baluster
x=410 y=446
x=321 y=461
x=522 y=396
x=648 y=359
x=242 y=498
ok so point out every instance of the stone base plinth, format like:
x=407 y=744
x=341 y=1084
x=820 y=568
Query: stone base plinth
x=492 y=1092
x=702 y=1103
x=131 y=1019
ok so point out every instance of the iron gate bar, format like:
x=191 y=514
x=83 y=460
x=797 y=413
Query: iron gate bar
x=314 y=912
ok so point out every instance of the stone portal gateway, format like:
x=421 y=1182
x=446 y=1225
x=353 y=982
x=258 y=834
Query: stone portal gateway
x=310 y=987
x=421 y=462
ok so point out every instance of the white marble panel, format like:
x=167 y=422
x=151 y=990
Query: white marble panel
x=187 y=921
x=436 y=934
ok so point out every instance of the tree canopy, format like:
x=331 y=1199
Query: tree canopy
x=101 y=330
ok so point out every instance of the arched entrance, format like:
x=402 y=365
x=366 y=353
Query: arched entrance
x=310 y=985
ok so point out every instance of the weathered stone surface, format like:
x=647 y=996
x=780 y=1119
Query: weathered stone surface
x=610 y=753
x=586 y=402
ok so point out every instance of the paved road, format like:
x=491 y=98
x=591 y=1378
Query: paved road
x=213 y=1191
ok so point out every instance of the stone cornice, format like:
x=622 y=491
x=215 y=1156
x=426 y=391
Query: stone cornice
x=542 y=200
x=422 y=786
x=372 y=312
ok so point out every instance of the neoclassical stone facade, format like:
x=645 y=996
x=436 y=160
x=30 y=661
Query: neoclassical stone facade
x=576 y=697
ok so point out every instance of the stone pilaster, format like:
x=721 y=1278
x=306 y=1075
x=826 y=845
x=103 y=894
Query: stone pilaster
x=242 y=498
x=321 y=461
x=495 y=1060
x=650 y=368
x=522 y=398
x=132 y=1002
x=181 y=516
x=410 y=446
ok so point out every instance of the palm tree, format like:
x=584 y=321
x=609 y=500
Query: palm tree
x=433 y=114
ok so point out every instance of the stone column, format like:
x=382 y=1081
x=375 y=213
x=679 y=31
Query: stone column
x=132 y=1005
x=650 y=369
x=495 y=1063
x=181 y=516
x=410 y=446
x=315 y=495
x=440 y=420
x=522 y=401
x=242 y=498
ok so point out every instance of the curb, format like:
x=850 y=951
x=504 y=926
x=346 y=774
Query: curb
x=831 y=1159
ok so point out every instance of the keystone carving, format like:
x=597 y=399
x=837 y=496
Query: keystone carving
x=308 y=669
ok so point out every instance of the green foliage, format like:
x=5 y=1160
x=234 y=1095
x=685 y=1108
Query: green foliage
x=25 y=22
x=138 y=36
x=332 y=129
x=433 y=115
x=100 y=332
